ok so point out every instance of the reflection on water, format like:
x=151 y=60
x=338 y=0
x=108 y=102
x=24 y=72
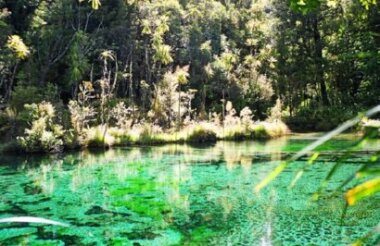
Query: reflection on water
x=179 y=195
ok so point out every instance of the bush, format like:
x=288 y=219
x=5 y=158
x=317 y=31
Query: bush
x=43 y=135
x=200 y=134
x=28 y=94
x=98 y=136
x=236 y=133
x=10 y=147
x=371 y=128
x=8 y=124
x=273 y=129
x=259 y=132
x=121 y=136
x=319 y=118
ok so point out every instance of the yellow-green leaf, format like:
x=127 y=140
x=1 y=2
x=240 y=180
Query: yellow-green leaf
x=271 y=176
x=16 y=44
x=95 y=4
x=362 y=191
x=313 y=158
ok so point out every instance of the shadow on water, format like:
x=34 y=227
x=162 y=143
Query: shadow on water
x=179 y=194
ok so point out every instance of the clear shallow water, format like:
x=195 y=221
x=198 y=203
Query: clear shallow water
x=181 y=195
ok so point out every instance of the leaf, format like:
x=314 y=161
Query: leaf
x=362 y=191
x=271 y=176
x=367 y=3
x=95 y=4
x=313 y=158
x=304 y=6
x=368 y=172
x=16 y=44
x=298 y=176
x=310 y=162
x=32 y=220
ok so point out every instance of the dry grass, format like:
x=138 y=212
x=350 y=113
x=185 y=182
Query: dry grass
x=200 y=132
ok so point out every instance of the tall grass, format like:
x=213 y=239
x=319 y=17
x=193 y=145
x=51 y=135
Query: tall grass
x=201 y=132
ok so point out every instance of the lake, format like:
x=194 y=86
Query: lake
x=184 y=195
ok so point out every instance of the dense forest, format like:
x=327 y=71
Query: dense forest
x=69 y=65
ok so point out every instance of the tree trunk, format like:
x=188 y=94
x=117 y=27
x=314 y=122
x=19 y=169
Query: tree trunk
x=203 y=114
x=179 y=107
x=319 y=62
x=8 y=93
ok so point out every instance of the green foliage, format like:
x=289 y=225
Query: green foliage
x=319 y=118
x=201 y=134
x=17 y=45
x=371 y=128
x=367 y=3
x=168 y=102
x=8 y=122
x=43 y=135
x=98 y=137
x=317 y=56
x=29 y=94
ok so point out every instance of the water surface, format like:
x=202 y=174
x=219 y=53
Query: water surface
x=182 y=195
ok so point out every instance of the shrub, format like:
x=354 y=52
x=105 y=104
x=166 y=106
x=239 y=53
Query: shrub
x=122 y=116
x=273 y=129
x=259 y=132
x=80 y=116
x=8 y=123
x=29 y=94
x=201 y=134
x=275 y=113
x=98 y=136
x=371 y=128
x=121 y=136
x=43 y=135
x=235 y=132
x=319 y=118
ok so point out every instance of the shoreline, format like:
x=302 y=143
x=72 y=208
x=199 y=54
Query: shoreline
x=4 y=149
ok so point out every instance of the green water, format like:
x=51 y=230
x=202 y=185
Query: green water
x=182 y=195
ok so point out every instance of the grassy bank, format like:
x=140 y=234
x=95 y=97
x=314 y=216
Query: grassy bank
x=202 y=132
x=147 y=134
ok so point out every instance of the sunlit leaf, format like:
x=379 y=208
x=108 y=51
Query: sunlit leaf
x=304 y=6
x=16 y=44
x=295 y=180
x=362 y=191
x=368 y=172
x=313 y=158
x=367 y=3
x=269 y=178
x=32 y=220
x=95 y=4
